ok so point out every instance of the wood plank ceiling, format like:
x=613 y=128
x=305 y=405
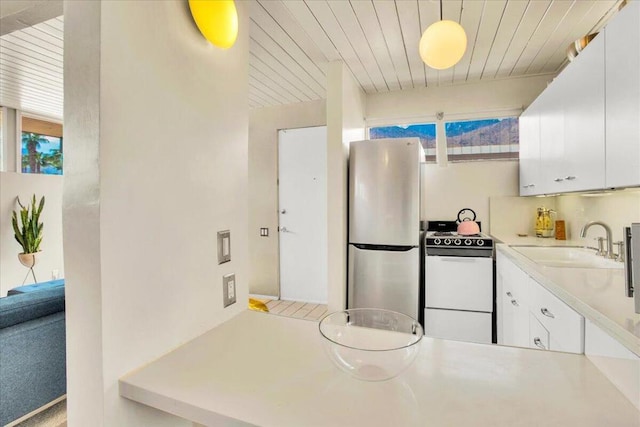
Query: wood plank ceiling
x=31 y=69
x=293 y=41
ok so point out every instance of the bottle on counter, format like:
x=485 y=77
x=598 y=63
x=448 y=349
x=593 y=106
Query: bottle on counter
x=544 y=225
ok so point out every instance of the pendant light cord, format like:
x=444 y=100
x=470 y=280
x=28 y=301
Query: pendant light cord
x=441 y=10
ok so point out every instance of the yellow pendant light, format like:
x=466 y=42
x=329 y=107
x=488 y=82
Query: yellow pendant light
x=217 y=20
x=443 y=43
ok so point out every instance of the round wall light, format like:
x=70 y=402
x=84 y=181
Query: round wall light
x=217 y=20
x=443 y=44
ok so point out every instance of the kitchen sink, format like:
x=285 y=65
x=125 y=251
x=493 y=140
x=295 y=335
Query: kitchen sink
x=573 y=257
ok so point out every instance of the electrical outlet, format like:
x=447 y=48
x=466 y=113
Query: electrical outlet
x=229 y=289
x=264 y=232
x=55 y=274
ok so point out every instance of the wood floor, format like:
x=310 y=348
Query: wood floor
x=297 y=309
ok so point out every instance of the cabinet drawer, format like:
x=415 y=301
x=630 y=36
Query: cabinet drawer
x=565 y=326
x=458 y=325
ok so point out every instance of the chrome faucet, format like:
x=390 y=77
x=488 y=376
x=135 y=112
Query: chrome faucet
x=607 y=229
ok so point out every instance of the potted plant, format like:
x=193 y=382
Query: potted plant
x=29 y=232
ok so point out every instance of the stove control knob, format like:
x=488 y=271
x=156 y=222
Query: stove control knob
x=457 y=242
x=447 y=241
x=480 y=242
x=468 y=242
x=436 y=241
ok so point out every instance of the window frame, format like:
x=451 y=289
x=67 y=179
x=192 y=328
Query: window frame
x=428 y=158
x=19 y=115
x=452 y=117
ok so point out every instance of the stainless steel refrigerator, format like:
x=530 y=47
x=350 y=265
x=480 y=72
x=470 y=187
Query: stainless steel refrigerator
x=384 y=224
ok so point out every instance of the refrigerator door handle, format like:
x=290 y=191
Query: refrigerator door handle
x=391 y=248
x=628 y=277
x=634 y=263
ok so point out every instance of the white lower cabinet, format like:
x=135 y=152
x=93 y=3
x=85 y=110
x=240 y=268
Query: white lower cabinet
x=530 y=316
x=538 y=335
x=513 y=313
x=565 y=326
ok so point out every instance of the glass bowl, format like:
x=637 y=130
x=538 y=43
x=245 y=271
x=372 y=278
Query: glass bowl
x=371 y=344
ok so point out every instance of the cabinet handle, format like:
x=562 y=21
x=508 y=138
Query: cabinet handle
x=569 y=178
x=538 y=342
x=509 y=294
x=514 y=302
x=559 y=179
x=547 y=313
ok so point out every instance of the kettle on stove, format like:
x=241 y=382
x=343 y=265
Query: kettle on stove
x=467 y=226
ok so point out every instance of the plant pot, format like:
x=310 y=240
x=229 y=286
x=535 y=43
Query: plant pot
x=28 y=260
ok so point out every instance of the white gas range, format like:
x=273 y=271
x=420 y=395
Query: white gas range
x=459 y=284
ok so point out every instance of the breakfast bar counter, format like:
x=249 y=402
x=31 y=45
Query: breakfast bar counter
x=266 y=370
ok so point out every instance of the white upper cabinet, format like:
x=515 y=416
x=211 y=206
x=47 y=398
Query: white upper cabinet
x=588 y=118
x=622 y=38
x=552 y=149
x=584 y=139
x=529 y=125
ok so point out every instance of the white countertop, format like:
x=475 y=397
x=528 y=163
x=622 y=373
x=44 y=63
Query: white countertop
x=513 y=240
x=598 y=294
x=267 y=370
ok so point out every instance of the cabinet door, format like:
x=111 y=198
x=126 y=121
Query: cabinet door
x=458 y=325
x=565 y=326
x=622 y=37
x=538 y=335
x=552 y=149
x=529 y=126
x=582 y=167
x=513 y=313
x=506 y=321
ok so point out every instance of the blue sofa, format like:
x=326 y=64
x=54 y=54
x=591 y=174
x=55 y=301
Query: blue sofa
x=32 y=350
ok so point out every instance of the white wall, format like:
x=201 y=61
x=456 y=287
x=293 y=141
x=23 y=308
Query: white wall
x=9 y=143
x=345 y=123
x=264 y=124
x=472 y=98
x=156 y=124
x=12 y=273
x=513 y=215
x=616 y=208
x=445 y=191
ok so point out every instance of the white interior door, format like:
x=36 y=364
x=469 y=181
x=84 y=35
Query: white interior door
x=302 y=214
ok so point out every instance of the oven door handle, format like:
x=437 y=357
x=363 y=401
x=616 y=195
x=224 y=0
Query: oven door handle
x=458 y=259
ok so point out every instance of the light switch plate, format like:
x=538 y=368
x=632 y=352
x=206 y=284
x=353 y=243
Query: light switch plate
x=229 y=289
x=224 y=246
x=264 y=232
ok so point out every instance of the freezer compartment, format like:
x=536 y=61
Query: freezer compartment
x=459 y=283
x=384 y=279
x=384 y=192
x=456 y=325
